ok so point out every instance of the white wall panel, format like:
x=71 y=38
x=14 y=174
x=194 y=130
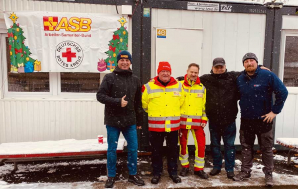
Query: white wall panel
x=287 y=120
x=37 y=120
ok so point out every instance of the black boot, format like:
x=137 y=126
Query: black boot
x=184 y=171
x=230 y=174
x=214 y=172
x=155 y=179
x=201 y=174
x=175 y=178
x=110 y=182
x=136 y=180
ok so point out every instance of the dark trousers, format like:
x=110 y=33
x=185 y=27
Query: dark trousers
x=156 y=141
x=228 y=135
x=248 y=131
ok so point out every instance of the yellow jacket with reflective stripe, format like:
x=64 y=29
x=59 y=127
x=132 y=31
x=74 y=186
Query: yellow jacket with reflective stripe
x=193 y=110
x=162 y=103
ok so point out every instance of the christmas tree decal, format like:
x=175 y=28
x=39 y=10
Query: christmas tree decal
x=21 y=62
x=116 y=45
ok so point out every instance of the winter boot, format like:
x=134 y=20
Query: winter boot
x=268 y=178
x=175 y=178
x=201 y=174
x=214 y=172
x=184 y=171
x=230 y=174
x=241 y=176
x=136 y=180
x=110 y=182
x=155 y=179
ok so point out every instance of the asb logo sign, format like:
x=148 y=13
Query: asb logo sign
x=74 y=24
x=226 y=8
x=69 y=54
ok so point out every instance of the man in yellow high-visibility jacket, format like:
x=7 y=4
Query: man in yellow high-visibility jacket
x=194 y=119
x=162 y=98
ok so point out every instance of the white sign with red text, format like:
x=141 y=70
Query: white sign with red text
x=67 y=42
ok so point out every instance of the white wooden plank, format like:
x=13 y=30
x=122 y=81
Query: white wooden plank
x=187 y=19
x=242 y=39
x=163 y=18
x=296 y=117
x=198 y=19
x=230 y=47
x=218 y=41
x=289 y=114
x=207 y=43
x=256 y=35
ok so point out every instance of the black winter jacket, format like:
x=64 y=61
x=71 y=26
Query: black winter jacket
x=221 y=98
x=114 y=86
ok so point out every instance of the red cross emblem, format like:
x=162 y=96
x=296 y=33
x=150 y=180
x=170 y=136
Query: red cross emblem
x=68 y=54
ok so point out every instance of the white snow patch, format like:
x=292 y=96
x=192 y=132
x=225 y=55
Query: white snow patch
x=102 y=178
x=60 y=146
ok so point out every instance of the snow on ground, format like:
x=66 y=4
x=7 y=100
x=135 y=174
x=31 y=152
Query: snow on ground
x=220 y=180
x=75 y=185
x=283 y=158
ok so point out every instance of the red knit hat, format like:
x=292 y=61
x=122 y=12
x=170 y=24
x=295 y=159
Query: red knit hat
x=164 y=66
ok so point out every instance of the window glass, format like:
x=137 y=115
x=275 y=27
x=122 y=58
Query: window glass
x=80 y=82
x=291 y=62
x=26 y=82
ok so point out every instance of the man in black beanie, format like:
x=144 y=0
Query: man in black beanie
x=120 y=91
x=256 y=87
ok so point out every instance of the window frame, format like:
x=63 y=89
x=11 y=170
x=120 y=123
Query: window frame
x=285 y=34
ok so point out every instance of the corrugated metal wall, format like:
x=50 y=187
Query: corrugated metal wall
x=46 y=119
x=227 y=35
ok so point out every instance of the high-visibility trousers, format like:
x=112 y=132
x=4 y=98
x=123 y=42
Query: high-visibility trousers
x=200 y=142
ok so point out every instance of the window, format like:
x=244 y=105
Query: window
x=44 y=82
x=291 y=61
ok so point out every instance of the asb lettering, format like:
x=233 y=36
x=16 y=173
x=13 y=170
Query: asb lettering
x=74 y=24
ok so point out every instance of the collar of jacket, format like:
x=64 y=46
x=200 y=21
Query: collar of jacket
x=223 y=75
x=172 y=82
x=252 y=76
x=122 y=72
x=186 y=83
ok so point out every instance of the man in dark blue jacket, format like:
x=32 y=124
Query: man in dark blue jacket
x=256 y=87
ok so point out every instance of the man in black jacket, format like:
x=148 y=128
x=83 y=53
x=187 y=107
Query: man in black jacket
x=120 y=91
x=221 y=110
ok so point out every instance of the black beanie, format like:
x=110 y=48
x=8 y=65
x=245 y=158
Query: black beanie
x=249 y=56
x=124 y=55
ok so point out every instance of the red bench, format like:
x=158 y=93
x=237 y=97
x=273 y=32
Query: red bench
x=53 y=150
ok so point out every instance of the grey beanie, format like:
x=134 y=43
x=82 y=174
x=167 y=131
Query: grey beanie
x=249 y=56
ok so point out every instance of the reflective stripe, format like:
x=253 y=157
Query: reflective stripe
x=199 y=159
x=199 y=165
x=190 y=123
x=196 y=91
x=184 y=161
x=163 y=118
x=184 y=156
x=149 y=90
x=193 y=117
x=163 y=125
x=186 y=90
x=204 y=115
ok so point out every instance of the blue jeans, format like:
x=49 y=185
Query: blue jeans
x=130 y=134
x=228 y=135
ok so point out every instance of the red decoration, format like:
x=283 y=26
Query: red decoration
x=10 y=47
x=10 y=34
x=115 y=37
x=18 y=51
x=112 y=48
